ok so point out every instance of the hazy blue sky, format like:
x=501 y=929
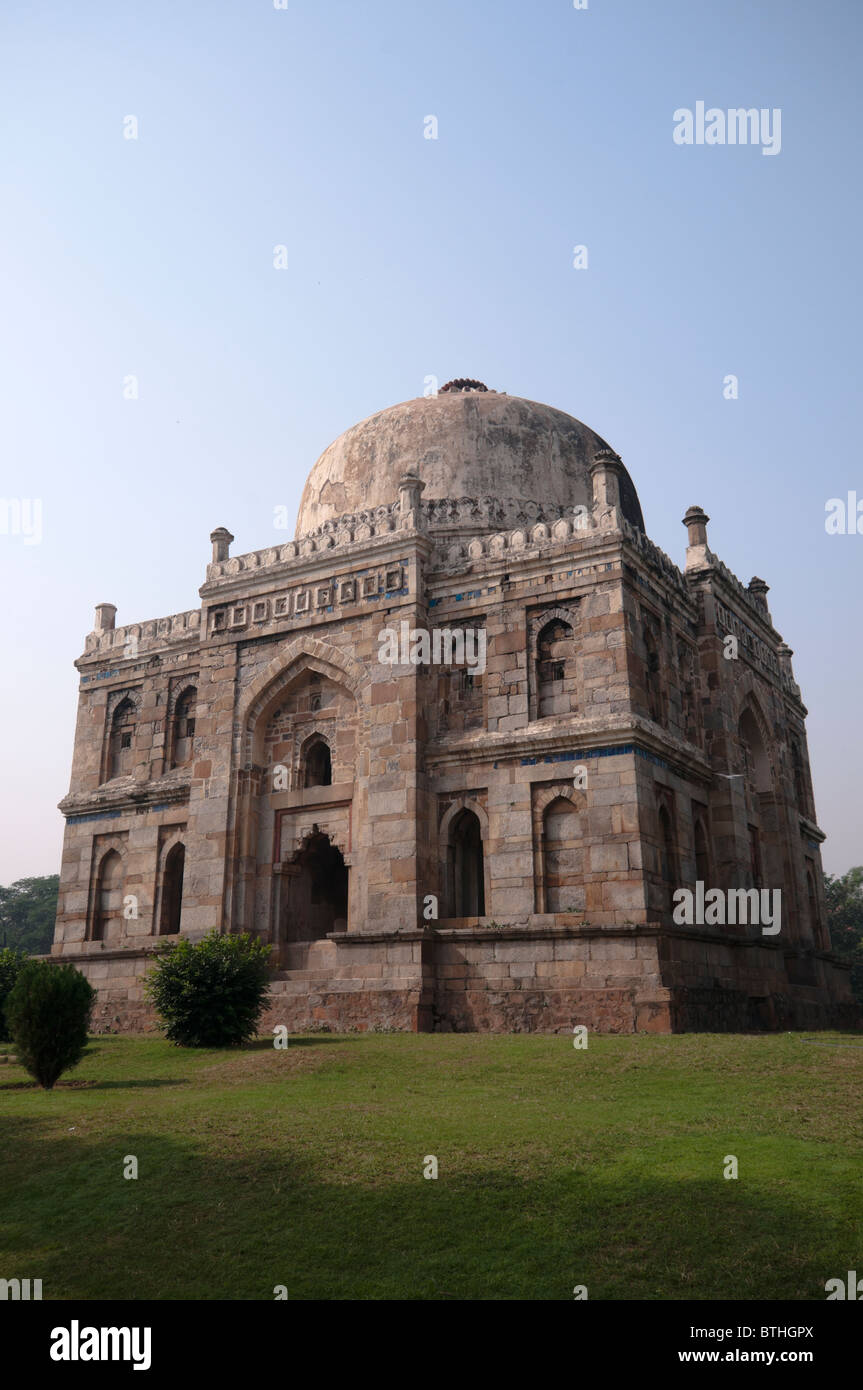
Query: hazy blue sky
x=409 y=257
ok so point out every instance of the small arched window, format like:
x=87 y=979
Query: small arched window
x=755 y=857
x=554 y=663
x=653 y=675
x=120 y=743
x=814 y=912
x=756 y=764
x=172 y=890
x=702 y=854
x=799 y=778
x=108 y=913
x=688 y=705
x=184 y=727
x=318 y=764
x=465 y=866
x=563 y=857
x=667 y=857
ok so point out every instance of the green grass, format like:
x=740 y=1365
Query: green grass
x=557 y=1167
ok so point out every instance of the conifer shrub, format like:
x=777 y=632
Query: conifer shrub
x=48 y=1013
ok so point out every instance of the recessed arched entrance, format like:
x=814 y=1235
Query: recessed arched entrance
x=314 y=891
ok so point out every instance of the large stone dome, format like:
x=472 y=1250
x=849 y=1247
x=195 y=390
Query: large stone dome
x=464 y=442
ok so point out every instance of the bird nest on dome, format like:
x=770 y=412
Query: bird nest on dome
x=463 y=383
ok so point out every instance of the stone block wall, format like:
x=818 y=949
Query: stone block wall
x=585 y=768
x=548 y=979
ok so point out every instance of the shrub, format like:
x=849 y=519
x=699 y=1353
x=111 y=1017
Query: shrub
x=211 y=994
x=11 y=962
x=48 y=1012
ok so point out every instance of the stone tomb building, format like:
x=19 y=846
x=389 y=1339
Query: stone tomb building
x=253 y=765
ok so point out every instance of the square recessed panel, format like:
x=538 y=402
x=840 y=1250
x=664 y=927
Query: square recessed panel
x=301 y=603
x=347 y=590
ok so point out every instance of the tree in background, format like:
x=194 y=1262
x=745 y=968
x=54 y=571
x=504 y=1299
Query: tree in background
x=845 y=920
x=11 y=962
x=27 y=911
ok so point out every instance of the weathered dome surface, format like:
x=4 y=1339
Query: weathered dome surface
x=461 y=443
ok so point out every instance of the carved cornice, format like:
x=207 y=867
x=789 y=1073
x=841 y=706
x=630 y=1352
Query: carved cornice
x=579 y=737
x=126 y=794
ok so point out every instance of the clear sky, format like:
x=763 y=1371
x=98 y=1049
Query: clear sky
x=408 y=257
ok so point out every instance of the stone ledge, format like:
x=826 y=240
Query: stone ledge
x=362 y=938
x=161 y=791
x=154 y=948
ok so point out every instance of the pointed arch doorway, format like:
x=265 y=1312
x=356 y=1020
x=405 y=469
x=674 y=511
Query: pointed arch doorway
x=313 y=897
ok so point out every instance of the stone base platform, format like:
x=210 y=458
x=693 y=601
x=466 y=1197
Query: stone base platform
x=544 y=975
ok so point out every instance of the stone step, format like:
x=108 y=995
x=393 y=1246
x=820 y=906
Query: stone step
x=312 y=982
x=291 y=980
x=309 y=976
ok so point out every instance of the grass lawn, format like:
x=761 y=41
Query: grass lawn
x=557 y=1167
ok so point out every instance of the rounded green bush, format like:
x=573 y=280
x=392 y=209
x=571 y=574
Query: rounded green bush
x=213 y=993
x=11 y=962
x=48 y=1013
